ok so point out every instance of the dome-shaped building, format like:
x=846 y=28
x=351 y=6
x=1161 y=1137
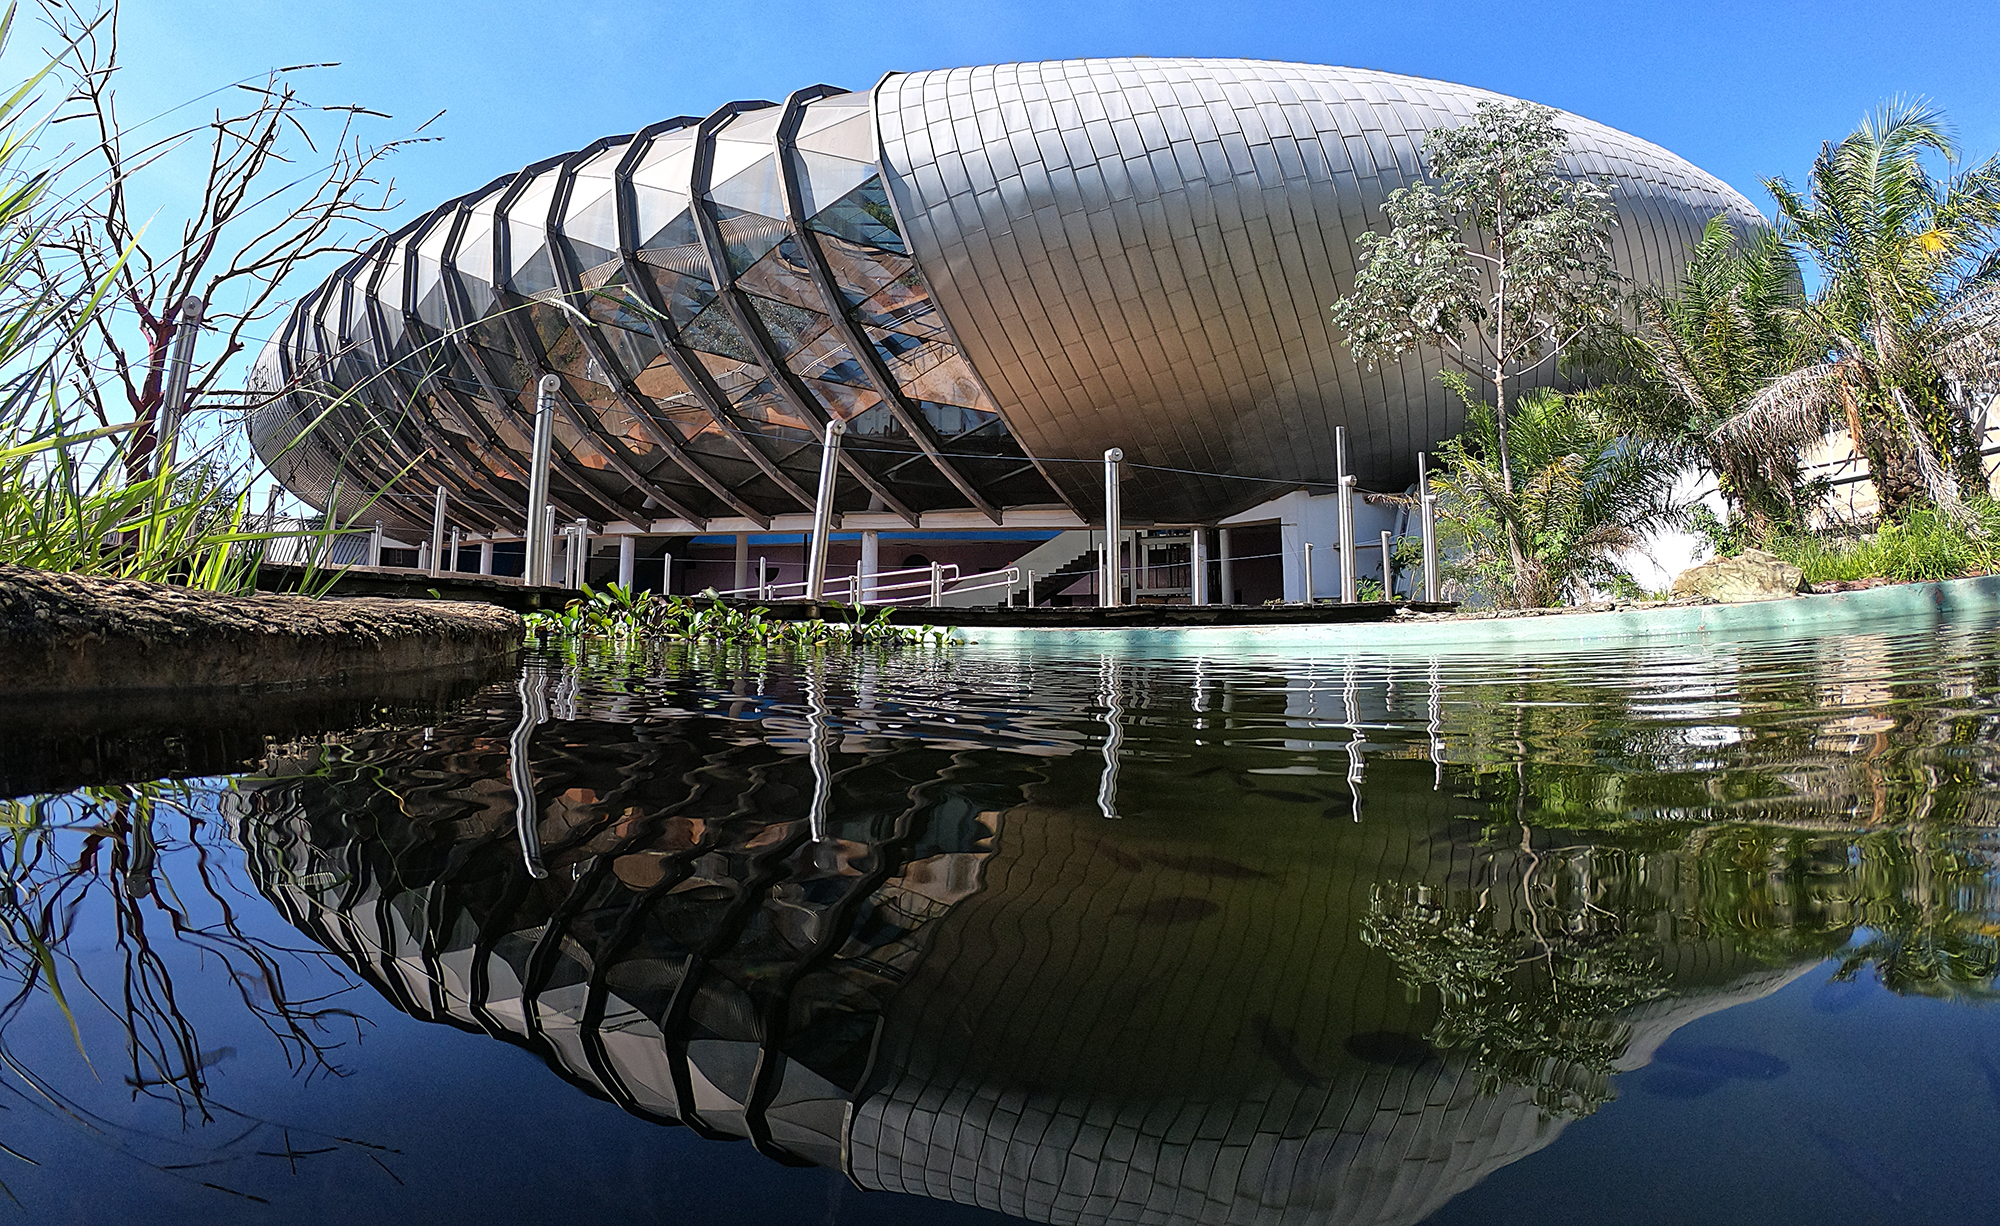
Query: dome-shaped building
x=990 y=274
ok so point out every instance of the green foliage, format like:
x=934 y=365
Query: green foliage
x=1701 y=353
x=1578 y=495
x=1926 y=544
x=1905 y=328
x=617 y=613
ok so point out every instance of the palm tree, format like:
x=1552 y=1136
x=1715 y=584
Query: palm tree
x=1702 y=352
x=1907 y=319
x=1581 y=493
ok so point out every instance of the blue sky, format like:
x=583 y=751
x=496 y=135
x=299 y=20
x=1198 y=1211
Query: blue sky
x=1743 y=89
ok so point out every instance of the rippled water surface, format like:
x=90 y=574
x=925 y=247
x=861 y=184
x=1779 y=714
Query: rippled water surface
x=1703 y=933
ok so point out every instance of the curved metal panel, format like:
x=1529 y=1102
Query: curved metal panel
x=1141 y=253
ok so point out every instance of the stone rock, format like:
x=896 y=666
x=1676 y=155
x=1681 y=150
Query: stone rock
x=1751 y=575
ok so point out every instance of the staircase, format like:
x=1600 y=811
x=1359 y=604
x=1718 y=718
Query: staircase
x=1066 y=551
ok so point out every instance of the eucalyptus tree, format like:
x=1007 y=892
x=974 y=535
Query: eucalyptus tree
x=1499 y=265
x=1907 y=319
x=1701 y=353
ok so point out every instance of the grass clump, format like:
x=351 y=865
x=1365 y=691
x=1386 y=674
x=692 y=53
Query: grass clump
x=1925 y=545
x=617 y=613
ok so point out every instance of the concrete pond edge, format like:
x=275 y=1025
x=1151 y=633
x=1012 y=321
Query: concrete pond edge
x=1791 y=617
x=62 y=633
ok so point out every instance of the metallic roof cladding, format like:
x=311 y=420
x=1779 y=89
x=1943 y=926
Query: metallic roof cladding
x=1141 y=253
x=992 y=274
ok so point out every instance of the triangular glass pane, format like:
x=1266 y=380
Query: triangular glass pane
x=683 y=297
x=789 y=327
x=754 y=189
x=863 y=215
x=943 y=376
x=667 y=165
x=782 y=274
x=826 y=356
x=877 y=423
x=662 y=218
x=535 y=274
x=862 y=272
x=478 y=295
x=747 y=236
x=823 y=180
x=474 y=254
x=713 y=331
x=903 y=305
x=593 y=220
x=852 y=138
x=844 y=401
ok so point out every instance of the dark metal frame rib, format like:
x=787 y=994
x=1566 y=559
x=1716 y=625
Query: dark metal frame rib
x=911 y=418
x=687 y=367
x=796 y=394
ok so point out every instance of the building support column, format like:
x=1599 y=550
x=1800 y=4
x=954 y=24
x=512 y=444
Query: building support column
x=1198 y=565
x=871 y=564
x=486 y=557
x=628 y=559
x=742 y=579
x=1227 y=566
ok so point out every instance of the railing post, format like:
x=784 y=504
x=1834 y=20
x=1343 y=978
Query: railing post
x=1031 y=589
x=822 y=535
x=1225 y=566
x=540 y=541
x=1347 y=550
x=628 y=560
x=1427 y=506
x=1309 y=572
x=763 y=581
x=937 y=584
x=547 y=552
x=437 y=532
x=375 y=545
x=1112 y=589
x=1198 y=565
x=1388 y=575
x=456 y=537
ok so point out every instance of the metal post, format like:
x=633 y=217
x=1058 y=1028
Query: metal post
x=742 y=579
x=437 y=532
x=1388 y=575
x=173 y=404
x=456 y=537
x=937 y=584
x=628 y=560
x=871 y=565
x=1198 y=565
x=1114 y=537
x=375 y=545
x=763 y=583
x=1309 y=572
x=1427 y=504
x=1141 y=556
x=1031 y=589
x=822 y=533
x=1346 y=516
x=545 y=554
x=541 y=517
x=579 y=552
x=486 y=557
x=1226 y=566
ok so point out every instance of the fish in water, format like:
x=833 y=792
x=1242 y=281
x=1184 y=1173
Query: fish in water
x=1123 y=859
x=208 y=1059
x=1667 y=1082
x=1390 y=1047
x=1281 y=1047
x=1181 y=909
x=1209 y=866
x=1865 y=1164
x=1724 y=1062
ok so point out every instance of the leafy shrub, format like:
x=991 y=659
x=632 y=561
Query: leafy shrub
x=615 y=612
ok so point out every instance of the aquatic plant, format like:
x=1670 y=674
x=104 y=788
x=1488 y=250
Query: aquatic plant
x=616 y=612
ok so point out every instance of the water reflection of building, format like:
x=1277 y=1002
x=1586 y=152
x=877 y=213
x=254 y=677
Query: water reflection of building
x=953 y=992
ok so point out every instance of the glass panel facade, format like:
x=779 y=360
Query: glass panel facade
x=854 y=277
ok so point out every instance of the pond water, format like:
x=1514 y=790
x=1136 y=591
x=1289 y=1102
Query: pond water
x=1701 y=933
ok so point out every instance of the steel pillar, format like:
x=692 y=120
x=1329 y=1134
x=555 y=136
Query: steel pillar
x=541 y=516
x=822 y=532
x=1112 y=589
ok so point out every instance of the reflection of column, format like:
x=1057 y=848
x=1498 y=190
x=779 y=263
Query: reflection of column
x=527 y=811
x=816 y=748
x=1436 y=727
x=1114 y=738
x=1350 y=694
